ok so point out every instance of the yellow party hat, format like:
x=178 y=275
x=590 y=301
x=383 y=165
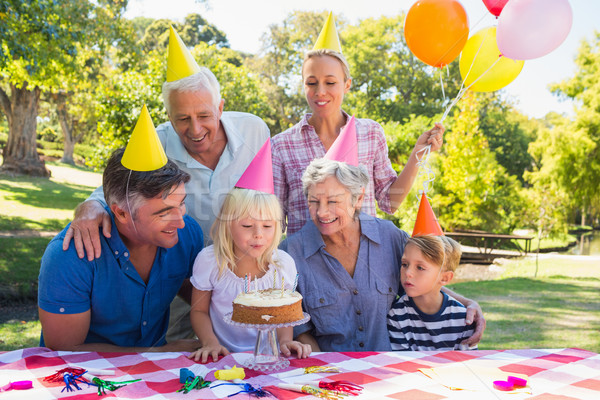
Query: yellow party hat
x=328 y=38
x=180 y=63
x=144 y=152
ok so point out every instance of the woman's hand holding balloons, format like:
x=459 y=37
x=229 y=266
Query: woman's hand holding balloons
x=433 y=137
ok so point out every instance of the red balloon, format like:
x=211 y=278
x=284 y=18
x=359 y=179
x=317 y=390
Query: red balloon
x=495 y=6
x=436 y=31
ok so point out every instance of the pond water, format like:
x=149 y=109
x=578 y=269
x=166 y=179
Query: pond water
x=587 y=245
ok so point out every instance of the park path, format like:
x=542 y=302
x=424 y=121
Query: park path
x=26 y=233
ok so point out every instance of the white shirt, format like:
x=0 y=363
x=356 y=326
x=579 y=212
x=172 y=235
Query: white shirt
x=228 y=286
x=206 y=190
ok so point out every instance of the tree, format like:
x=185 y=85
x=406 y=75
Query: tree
x=473 y=191
x=577 y=162
x=38 y=51
x=279 y=64
x=194 y=30
x=508 y=133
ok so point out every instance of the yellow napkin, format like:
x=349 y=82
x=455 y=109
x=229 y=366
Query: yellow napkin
x=476 y=376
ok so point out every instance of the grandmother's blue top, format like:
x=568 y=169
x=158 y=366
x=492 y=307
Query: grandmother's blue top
x=125 y=311
x=349 y=313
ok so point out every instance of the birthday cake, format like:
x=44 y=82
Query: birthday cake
x=270 y=306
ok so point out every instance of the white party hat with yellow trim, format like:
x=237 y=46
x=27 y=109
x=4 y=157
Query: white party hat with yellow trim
x=328 y=38
x=144 y=152
x=180 y=62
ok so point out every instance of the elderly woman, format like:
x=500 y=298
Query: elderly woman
x=349 y=264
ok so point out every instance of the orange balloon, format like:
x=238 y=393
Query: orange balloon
x=436 y=31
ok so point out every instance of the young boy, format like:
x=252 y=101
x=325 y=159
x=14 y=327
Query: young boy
x=424 y=317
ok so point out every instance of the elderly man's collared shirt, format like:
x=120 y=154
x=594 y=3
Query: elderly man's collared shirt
x=125 y=311
x=206 y=190
x=348 y=313
x=295 y=148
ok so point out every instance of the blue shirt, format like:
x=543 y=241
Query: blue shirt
x=246 y=133
x=412 y=329
x=125 y=311
x=348 y=313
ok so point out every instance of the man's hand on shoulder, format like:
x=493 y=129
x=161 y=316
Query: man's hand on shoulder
x=89 y=216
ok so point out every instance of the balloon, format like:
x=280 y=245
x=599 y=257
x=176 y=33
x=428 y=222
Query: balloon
x=436 y=31
x=530 y=29
x=480 y=57
x=495 y=6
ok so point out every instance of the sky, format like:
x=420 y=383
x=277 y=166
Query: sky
x=245 y=21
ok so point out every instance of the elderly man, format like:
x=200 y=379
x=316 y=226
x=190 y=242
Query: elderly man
x=213 y=146
x=120 y=300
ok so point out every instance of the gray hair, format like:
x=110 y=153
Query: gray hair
x=327 y=52
x=202 y=80
x=129 y=189
x=355 y=179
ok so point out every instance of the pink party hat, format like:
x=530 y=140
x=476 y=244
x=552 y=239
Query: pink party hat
x=259 y=173
x=426 y=223
x=345 y=147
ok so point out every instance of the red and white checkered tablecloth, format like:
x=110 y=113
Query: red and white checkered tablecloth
x=556 y=374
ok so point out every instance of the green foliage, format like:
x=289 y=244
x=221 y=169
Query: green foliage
x=508 y=133
x=241 y=89
x=121 y=98
x=279 y=64
x=572 y=154
x=473 y=191
x=48 y=135
x=401 y=139
x=42 y=38
x=193 y=31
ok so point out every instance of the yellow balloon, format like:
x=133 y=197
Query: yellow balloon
x=477 y=63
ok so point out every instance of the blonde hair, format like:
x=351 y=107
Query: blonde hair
x=241 y=203
x=331 y=53
x=440 y=250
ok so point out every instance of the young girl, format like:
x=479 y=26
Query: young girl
x=425 y=318
x=245 y=235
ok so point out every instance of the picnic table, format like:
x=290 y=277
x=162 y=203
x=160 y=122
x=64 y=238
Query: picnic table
x=552 y=374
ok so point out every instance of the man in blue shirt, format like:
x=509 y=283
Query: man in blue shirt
x=120 y=300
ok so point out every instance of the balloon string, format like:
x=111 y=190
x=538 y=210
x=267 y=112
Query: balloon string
x=442 y=84
x=425 y=170
x=462 y=92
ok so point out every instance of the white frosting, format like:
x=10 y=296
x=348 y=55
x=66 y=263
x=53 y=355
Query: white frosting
x=268 y=298
x=266 y=317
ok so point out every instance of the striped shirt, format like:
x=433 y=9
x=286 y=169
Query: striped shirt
x=411 y=329
x=295 y=148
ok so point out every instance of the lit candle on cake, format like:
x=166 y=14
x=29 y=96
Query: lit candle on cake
x=245 y=283
x=295 y=283
x=274 y=278
x=282 y=281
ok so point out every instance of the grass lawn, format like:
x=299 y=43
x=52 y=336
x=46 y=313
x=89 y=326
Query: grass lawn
x=44 y=204
x=559 y=308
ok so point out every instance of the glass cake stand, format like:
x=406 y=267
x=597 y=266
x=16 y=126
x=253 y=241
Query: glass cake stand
x=266 y=351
